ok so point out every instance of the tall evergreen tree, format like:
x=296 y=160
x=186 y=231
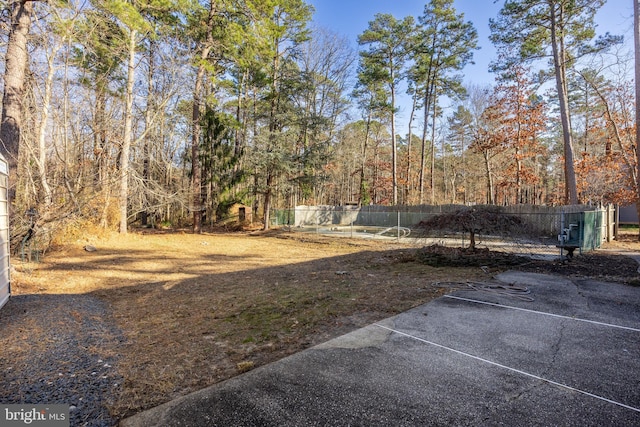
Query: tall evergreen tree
x=283 y=28
x=204 y=20
x=215 y=28
x=219 y=161
x=444 y=45
x=527 y=30
x=388 y=41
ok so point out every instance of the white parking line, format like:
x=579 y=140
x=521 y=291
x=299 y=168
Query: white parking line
x=509 y=368
x=577 y=319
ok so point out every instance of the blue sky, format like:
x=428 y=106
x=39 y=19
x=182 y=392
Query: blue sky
x=351 y=17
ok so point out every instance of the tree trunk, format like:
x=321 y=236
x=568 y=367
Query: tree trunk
x=423 y=152
x=15 y=68
x=266 y=209
x=430 y=86
x=148 y=139
x=42 y=150
x=99 y=141
x=423 y=160
x=394 y=148
x=636 y=38
x=274 y=127
x=488 y=175
x=472 y=240
x=128 y=131
x=363 y=164
x=518 y=161
x=560 y=66
x=196 y=178
x=408 y=192
x=433 y=156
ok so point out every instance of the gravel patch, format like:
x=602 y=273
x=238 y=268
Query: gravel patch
x=60 y=349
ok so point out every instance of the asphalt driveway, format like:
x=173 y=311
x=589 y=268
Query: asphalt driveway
x=552 y=352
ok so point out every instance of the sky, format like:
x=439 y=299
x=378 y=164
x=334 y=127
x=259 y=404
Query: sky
x=351 y=17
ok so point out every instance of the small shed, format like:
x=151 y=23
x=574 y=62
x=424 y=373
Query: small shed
x=5 y=280
x=242 y=213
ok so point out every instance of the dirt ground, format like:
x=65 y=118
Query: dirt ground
x=197 y=309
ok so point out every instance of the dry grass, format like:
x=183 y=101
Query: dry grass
x=198 y=309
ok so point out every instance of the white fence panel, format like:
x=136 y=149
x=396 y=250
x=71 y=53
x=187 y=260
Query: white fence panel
x=5 y=280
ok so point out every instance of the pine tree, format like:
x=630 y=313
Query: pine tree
x=283 y=28
x=528 y=30
x=388 y=41
x=444 y=45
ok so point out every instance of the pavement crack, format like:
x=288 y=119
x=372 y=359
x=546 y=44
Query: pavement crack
x=555 y=349
x=577 y=284
x=523 y=392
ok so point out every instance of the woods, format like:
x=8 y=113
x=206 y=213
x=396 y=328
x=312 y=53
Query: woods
x=170 y=112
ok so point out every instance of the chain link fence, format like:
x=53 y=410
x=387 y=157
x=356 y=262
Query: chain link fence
x=521 y=227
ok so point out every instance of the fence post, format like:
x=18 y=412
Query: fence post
x=611 y=210
x=561 y=230
x=398 y=225
x=616 y=222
